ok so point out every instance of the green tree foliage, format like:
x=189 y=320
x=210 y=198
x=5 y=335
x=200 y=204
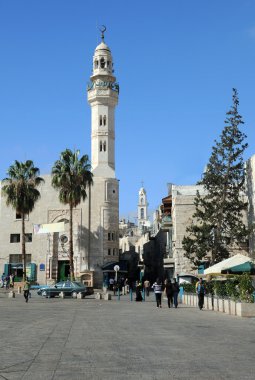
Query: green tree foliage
x=246 y=288
x=20 y=190
x=218 y=219
x=71 y=176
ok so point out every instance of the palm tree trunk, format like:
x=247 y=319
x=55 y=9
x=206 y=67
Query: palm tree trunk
x=71 y=243
x=23 y=248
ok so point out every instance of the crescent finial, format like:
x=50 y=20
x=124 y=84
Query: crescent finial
x=102 y=30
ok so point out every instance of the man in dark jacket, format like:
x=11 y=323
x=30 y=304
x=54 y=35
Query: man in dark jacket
x=169 y=293
x=176 y=290
x=200 y=288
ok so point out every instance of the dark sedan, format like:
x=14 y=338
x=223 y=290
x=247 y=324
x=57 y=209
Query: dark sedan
x=69 y=288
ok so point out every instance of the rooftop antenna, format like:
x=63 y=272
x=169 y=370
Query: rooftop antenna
x=102 y=30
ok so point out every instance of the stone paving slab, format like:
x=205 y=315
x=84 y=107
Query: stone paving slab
x=96 y=339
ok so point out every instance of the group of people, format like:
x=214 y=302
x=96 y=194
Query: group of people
x=122 y=285
x=7 y=281
x=171 y=290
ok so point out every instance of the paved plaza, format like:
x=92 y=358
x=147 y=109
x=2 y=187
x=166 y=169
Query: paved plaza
x=97 y=339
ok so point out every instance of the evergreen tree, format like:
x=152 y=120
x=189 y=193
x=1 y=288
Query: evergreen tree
x=218 y=220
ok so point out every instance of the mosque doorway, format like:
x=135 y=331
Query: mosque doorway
x=63 y=270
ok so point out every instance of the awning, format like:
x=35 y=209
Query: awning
x=109 y=267
x=237 y=263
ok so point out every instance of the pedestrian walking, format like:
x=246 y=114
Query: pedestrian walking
x=176 y=290
x=158 y=288
x=200 y=289
x=11 y=280
x=138 y=293
x=26 y=290
x=2 y=280
x=169 y=293
x=147 y=285
x=111 y=283
x=126 y=284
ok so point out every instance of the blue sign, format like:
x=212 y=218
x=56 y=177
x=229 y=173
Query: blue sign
x=42 y=267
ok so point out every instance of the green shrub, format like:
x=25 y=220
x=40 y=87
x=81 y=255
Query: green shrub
x=232 y=288
x=219 y=288
x=189 y=288
x=246 y=288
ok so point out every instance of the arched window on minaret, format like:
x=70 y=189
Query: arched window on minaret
x=101 y=146
x=100 y=120
x=142 y=213
x=96 y=64
x=141 y=201
x=102 y=63
x=104 y=146
x=104 y=119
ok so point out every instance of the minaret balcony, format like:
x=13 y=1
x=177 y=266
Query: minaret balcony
x=102 y=85
x=95 y=94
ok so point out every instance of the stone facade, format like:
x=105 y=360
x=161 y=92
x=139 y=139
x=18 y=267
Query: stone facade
x=182 y=211
x=250 y=167
x=95 y=221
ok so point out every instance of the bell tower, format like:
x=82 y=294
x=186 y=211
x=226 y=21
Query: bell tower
x=103 y=94
x=142 y=209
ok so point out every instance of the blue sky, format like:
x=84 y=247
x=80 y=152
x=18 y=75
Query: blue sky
x=176 y=63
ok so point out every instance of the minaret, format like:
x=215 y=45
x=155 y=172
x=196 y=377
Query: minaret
x=142 y=209
x=103 y=94
x=103 y=206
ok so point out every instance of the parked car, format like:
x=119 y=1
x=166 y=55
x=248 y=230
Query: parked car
x=69 y=288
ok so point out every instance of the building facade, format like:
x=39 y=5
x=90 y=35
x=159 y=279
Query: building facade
x=95 y=221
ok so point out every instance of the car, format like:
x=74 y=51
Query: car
x=69 y=288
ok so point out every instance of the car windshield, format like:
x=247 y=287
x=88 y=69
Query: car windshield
x=59 y=284
x=78 y=284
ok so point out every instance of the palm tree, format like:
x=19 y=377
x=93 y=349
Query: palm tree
x=20 y=190
x=71 y=176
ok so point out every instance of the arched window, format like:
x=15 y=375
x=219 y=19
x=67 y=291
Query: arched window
x=96 y=64
x=104 y=146
x=141 y=201
x=142 y=213
x=104 y=119
x=100 y=120
x=101 y=146
x=102 y=63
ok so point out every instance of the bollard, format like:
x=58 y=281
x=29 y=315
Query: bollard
x=143 y=294
x=19 y=289
x=62 y=295
x=107 y=297
x=98 y=296
x=118 y=294
x=131 y=294
x=11 y=294
x=80 y=296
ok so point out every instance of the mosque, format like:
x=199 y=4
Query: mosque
x=95 y=221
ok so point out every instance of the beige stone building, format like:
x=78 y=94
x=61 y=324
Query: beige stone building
x=96 y=229
x=250 y=168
